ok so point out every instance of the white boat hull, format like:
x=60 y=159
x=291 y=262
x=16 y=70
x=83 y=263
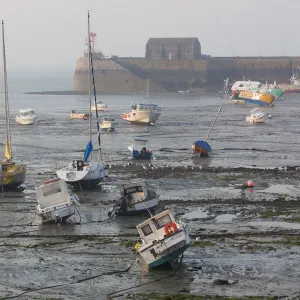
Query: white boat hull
x=60 y=213
x=166 y=250
x=142 y=117
x=26 y=121
x=100 y=107
x=108 y=126
x=257 y=120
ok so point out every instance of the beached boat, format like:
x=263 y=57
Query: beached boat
x=237 y=101
x=255 y=116
x=245 y=85
x=27 y=117
x=139 y=149
x=12 y=174
x=100 y=106
x=78 y=115
x=163 y=239
x=56 y=202
x=201 y=148
x=142 y=113
x=254 y=98
x=87 y=173
x=136 y=198
x=108 y=124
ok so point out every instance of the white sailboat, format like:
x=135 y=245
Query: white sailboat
x=84 y=172
x=142 y=113
x=12 y=174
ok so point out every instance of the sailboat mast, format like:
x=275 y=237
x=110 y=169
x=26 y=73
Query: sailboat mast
x=8 y=136
x=89 y=70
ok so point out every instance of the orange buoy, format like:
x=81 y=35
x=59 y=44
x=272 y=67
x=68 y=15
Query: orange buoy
x=250 y=183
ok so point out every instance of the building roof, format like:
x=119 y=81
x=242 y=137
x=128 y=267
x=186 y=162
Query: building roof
x=172 y=41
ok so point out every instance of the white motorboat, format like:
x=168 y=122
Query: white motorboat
x=100 y=106
x=142 y=113
x=78 y=115
x=255 y=116
x=27 y=117
x=163 y=239
x=86 y=173
x=56 y=202
x=108 y=124
x=136 y=198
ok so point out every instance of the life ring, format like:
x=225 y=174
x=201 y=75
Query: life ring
x=170 y=228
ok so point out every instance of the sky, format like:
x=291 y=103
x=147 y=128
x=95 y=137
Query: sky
x=51 y=34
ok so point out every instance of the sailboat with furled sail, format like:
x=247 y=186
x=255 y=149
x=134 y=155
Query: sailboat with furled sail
x=12 y=174
x=84 y=172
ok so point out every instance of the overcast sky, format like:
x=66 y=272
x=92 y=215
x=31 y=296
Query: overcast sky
x=50 y=34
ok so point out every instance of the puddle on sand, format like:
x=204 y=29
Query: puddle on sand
x=225 y=218
x=195 y=215
x=286 y=225
x=281 y=189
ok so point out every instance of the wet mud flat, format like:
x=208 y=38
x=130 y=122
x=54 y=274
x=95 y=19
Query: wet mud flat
x=245 y=241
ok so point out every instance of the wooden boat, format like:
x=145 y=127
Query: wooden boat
x=139 y=149
x=162 y=239
x=136 y=198
x=12 y=174
x=78 y=115
x=56 y=202
x=27 y=117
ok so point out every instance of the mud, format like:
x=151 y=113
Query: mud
x=245 y=240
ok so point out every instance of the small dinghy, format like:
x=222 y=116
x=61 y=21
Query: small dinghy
x=139 y=149
x=163 y=239
x=78 y=115
x=136 y=198
x=255 y=116
x=56 y=202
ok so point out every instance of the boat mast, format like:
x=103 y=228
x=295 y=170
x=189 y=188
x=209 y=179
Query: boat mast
x=95 y=98
x=8 y=136
x=89 y=70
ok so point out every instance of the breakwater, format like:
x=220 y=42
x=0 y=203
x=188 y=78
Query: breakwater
x=129 y=75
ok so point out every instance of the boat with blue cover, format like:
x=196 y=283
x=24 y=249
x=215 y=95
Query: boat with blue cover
x=139 y=149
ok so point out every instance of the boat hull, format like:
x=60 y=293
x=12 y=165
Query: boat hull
x=26 y=121
x=199 y=150
x=141 y=117
x=139 y=208
x=166 y=250
x=12 y=175
x=79 y=116
x=253 y=98
x=61 y=214
x=258 y=120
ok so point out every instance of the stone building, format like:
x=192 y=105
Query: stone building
x=173 y=48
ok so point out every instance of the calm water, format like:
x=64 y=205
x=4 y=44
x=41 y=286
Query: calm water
x=184 y=119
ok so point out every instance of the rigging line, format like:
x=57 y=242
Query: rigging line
x=67 y=283
x=226 y=93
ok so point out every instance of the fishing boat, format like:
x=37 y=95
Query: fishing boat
x=245 y=85
x=56 y=202
x=139 y=149
x=87 y=173
x=254 y=97
x=255 y=116
x=142 y=113
x=201 y=148
x=78 y=115
x=293 y=86
x=99 y=105
x=12 y=173
x=108 y=124
x=162 y=239
x=136 y=198
x=27 y=117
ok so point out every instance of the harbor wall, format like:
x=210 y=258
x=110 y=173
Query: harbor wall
x=129 y=75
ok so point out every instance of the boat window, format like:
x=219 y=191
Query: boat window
x=146 y=230
x=139 y=189
x=52 y=192
x=161 y=222
x=130 y=190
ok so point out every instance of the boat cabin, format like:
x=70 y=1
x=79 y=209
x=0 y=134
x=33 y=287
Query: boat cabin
x=133 y=193
x=27 y=112
x=51 y=194
x=157 y=227
x=146 y=106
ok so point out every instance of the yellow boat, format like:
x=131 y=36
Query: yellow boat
x=12 y=174
x=254 y=97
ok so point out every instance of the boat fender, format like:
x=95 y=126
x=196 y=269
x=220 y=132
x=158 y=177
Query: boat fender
x=170 y=228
